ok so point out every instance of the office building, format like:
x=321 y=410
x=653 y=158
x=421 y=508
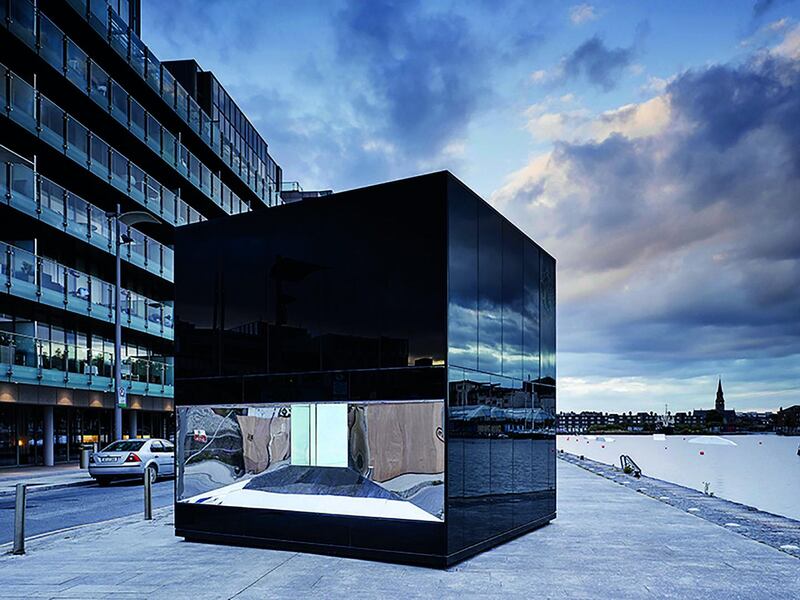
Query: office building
x=370 y=373
x=91 y=119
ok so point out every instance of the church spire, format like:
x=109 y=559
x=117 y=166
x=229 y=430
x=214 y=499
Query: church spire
x=720 y=403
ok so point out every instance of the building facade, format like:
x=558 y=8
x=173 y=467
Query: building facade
x=369 y=373
x=90 y=119
x=787 y=420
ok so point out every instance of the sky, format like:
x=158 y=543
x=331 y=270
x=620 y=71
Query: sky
x=652 y=147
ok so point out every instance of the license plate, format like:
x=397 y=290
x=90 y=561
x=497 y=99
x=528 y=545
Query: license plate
x=107 y=459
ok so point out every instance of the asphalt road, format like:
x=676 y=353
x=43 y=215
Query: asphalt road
x=66 y=507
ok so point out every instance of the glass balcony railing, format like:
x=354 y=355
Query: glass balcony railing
x=54 y=47
x=90 y=78
x=26 y=275
x=42 y=118
x=26 y=191
x=32 y=360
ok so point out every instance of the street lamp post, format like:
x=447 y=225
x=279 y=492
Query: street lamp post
x=129 y=218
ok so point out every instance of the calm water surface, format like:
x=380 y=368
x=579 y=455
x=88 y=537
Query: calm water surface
x=761 y=470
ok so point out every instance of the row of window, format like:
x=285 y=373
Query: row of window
x=259 y=173
x=51 y=353
x=241 y=134
x=27 y=191
x=23 y=104
x=66 y=57
x=26 y=275
x=22 y=431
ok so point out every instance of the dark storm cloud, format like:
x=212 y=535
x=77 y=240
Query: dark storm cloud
x=425 y=73
x=727 y=103
x=600 y=65
x=762 y=7
x=686 y=240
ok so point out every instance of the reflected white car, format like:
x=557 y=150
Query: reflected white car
x=133 y=458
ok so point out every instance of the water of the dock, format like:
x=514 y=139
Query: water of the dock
x=608 y=542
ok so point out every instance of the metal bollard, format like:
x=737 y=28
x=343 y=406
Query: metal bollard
x=85 y=452
x=148 y=496
x=19 y=519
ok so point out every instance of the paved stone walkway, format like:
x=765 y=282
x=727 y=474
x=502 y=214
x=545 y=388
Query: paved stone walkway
x=608 y=542
x=777 y=531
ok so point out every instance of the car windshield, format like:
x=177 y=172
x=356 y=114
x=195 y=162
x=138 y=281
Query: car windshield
x=126 y=446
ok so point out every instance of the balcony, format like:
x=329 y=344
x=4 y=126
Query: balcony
x=26 y=275
x=74 y=64
x=26 y=191
x=30 y=360
x=22 y=104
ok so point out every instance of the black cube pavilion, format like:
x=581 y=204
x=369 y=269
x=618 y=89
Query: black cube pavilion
x=369 y=374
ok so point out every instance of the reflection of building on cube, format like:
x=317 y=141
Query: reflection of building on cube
x=372 y=372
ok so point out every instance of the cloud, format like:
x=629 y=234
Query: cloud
x=576 y=124
x=582 y=13
x=600 y=65
x=762 y=7
x=790 y=46
x=594 y=62
x=675 y=224
x=655 y=85
x=378 y=90
x=423 y=74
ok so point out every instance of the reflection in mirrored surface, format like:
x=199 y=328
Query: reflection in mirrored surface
x=378 y=459
x=501 y=359
x=501 y=452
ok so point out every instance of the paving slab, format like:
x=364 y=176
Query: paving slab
x=774 y=530
x=607 y=542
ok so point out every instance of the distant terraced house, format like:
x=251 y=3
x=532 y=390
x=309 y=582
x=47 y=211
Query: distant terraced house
x=787 y=421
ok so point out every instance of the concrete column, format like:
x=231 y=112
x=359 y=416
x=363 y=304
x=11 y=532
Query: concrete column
x=132 y=430
x=49 y=434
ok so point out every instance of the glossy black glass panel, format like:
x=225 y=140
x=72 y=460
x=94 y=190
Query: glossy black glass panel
x=548 y=319
x=501 y=444
x=462 y=313
x=490 y=289
x=512 y=299
x=355 y=282
x=530 y=318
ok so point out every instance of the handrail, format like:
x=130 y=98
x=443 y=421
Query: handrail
x=629 y=466
x=20 y=353
x=46 y=281
x=124 y=41
x=102 y=89
x=31 y=193
x=33 y=111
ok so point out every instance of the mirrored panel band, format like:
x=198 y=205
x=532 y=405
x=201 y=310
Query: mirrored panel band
x=371 y=459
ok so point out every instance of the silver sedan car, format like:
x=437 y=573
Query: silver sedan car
x=133 y=458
